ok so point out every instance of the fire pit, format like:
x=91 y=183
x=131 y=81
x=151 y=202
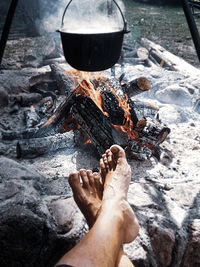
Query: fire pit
x=102 y=110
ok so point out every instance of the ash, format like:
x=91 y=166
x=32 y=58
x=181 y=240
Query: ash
x=165 y=195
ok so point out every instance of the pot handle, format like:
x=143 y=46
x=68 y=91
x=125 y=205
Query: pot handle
x=125 y=23
x=65 y=12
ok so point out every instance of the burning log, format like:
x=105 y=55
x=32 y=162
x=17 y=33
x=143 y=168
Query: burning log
x=94 y=123
x=30 y=148
x=111 y=106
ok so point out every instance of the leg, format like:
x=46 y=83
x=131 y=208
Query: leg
x=88 y=197
x=100 y=247
x=108 y=163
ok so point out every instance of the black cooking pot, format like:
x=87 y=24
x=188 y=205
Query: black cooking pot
x=92 y=51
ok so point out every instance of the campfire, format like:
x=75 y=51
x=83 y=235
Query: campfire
x=100 y=110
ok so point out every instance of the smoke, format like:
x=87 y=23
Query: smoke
x=83 y=16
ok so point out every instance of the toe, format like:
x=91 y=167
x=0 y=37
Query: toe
x=74 y=182
x=105 y=160
x=98 y=185
x=91 y=179
x=118 y=152
x=110 y=159
x=103 y=170
x=84 y=178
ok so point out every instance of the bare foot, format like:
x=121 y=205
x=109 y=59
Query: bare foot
x=116 y=175
x=87 y=190
x=115 y=172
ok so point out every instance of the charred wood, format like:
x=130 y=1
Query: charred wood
x=41 y=78
x=31 y=117
x=93 y=123
x=50 y=127
x=53 y=61
x=134 y=117
x=24 y=134
x=65 y=83
x=45 y=89
x=25 y=100
x=111 y=106
x=31 y=148
x=46 y=105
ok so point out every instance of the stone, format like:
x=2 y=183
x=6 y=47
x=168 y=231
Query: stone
x=173 y=114
x=36 y=227
x=162 y=242
x=174 y=94
x=192 y=255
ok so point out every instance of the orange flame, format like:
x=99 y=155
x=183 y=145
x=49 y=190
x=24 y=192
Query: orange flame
x=86 y=88
x=88 y=142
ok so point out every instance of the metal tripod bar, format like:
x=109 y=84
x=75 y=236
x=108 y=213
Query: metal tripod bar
x=192 y=26
x=6 y=29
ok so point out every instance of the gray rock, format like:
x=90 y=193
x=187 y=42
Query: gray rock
x=173 y=114
x=35 y=228
x=174 y=94
x=162 y=242
x=192 y=256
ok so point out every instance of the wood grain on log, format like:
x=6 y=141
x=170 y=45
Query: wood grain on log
x=94 y=123
x=65 y=83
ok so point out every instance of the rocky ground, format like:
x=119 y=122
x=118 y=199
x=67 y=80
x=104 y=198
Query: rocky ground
x=39 y=220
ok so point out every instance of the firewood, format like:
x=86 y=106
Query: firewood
x=50 y=127
x=50 y=61
x=31 y=117
x=30 y=148
x=157 y=53
x=44 y=77
x=65 y=83
x=94 y=123
x=142 y=53
x=111 y=106
x=17 y=135
x=25 y=100
x=136 y=86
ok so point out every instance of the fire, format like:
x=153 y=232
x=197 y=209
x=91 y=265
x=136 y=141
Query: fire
x=86 y=81
x=88 y=142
